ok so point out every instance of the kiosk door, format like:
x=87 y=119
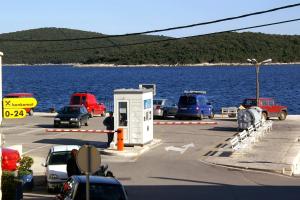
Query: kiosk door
x=123 y=118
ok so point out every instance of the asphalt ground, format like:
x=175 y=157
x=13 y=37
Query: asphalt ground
x=159 y=174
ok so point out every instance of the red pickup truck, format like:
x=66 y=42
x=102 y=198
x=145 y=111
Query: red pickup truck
x=269 y=107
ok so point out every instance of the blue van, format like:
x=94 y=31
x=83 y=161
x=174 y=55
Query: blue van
x=194 y=104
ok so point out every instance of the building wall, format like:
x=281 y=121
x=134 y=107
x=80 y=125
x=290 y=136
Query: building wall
x=135 y=131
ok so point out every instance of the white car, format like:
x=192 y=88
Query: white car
x=56 y=165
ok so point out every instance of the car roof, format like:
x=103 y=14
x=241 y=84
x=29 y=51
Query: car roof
x=74 y=106
x=82 y=93
x=97 y=179
x=261 y=98
x=64 y=148
x=193 y=95
x=19 y=94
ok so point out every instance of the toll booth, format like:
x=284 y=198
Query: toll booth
x=133 y=111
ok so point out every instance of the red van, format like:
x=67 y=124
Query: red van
x=89 y=101
x=10 y=159
x=21 y=95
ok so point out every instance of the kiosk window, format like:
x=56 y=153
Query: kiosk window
x=123 y=113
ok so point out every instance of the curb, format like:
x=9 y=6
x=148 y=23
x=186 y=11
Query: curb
x=282 y=172
x=133 y=152
x=296 y=165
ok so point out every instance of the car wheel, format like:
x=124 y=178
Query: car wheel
x=56 y=125
x=79 y=124
x=30 y=112
x=49 y=190
x=177 y=117
x=86 y=123
x=201 y=116
x=211 y=116
x=103 y=114
x=165 y=115
x=264 y=115
x=92 y=114
x=282 y=115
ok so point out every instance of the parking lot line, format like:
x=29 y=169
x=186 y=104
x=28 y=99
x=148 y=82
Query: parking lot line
x=31 y=131
x=41 y=147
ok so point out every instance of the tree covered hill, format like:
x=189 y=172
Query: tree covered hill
x=226 y=47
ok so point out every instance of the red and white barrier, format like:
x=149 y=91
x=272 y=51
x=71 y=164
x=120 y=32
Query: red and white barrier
x=79 y=131
x=184 y=123
x=154 y=123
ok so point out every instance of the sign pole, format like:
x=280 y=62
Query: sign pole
x=88 y=173
x=1 y=54
x=88 y=161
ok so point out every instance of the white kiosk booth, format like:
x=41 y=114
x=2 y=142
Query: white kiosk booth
x=133 y=111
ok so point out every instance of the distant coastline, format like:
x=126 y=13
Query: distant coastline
x=146 y=65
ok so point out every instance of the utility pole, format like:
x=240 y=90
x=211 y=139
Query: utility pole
x=257 y=65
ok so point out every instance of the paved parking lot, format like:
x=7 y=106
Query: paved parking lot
x=162 y=173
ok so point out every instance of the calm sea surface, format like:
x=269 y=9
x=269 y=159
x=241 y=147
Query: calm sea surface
x=225 y=86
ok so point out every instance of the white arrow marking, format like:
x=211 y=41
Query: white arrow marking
x=188 y=145
x=180 y=149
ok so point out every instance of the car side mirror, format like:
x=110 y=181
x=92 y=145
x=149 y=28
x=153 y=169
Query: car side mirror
x=44 y=164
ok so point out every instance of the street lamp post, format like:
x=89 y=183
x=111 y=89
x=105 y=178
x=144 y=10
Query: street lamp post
x=257 y=65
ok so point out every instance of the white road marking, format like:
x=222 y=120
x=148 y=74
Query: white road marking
x=180 y=149
x=31 y=131
x=41 y=147
x=35 y=196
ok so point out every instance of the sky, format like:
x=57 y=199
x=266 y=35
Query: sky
x=127 y=16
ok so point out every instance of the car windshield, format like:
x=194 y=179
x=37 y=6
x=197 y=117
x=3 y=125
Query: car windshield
x=76 y=100
x=157 y=102
x=187 y=100
x=99 y=191
x=59 y=158
x=250 y=102
x=70 y=110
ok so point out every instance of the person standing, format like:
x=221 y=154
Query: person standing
x=72 y=168
x=109 y=123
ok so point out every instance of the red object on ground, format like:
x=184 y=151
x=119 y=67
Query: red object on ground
x=21 y=95
x=89 y=101
x=120 y=139
x=10 y=159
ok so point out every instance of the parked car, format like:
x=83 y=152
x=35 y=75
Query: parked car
x=164 y=108
x=56 y=165
x=21 y=95
x=74 y=115
x=10 y=159
x=89 y=101
x=269 y=107
x=101 y=188
x=194 y=104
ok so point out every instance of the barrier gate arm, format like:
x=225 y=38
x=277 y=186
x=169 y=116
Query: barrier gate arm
x=119 y=131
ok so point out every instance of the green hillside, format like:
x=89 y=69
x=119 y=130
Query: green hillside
x=227 y=47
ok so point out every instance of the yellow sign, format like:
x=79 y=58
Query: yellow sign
x=14 y=113
x=19 y=103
